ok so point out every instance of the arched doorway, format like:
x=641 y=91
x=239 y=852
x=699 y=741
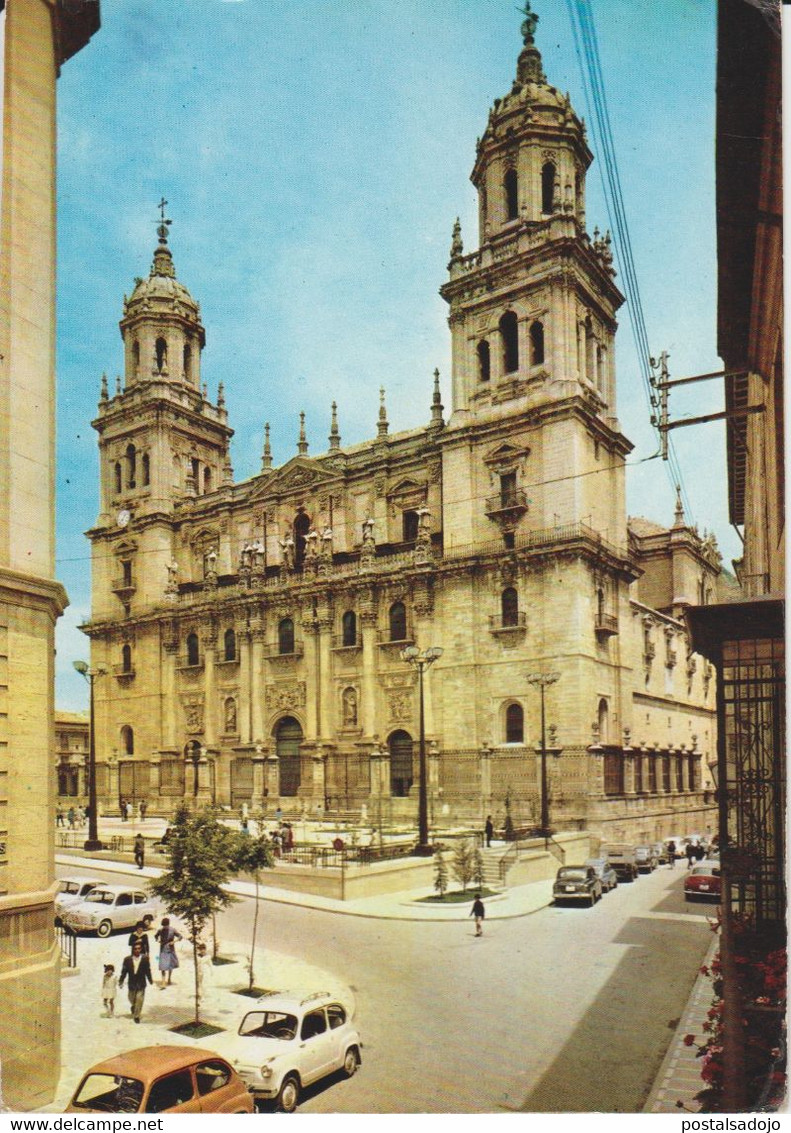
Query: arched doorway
x=288 y=736
x=400 y=745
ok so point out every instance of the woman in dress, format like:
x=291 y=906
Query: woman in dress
x=166 y=937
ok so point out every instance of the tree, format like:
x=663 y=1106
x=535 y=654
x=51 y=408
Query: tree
x=202 y=855
x=440 y=872
x=463 y=859
x=253 y=855
x=477 y=866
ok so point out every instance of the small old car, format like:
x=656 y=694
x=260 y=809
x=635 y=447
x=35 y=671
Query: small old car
x=577 y=883
x=623 y=860
x=162 y=1079
x=108 y=907
x=702 y=883
x=646 y=859
x=70 y=891
x=605 y=873
x=288 y=1041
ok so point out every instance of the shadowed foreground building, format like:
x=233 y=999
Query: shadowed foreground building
x=37 y=37
x=252 y=632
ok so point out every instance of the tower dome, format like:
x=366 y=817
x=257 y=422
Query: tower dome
x=162 y=326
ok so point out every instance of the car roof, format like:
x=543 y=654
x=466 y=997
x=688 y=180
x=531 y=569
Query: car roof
x=73 y=877
x=293 y=1001
x=151 y=1061
x=121 y=888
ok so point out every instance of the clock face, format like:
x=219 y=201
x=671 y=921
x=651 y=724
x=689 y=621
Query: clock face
x=123 y=517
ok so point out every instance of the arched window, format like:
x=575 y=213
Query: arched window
x=285 y=636
x=301 y=529
x=604 y=721
x=131 y=466
x=127 y=740
x=510 y=342
x=484 y=361
x=548 y=188
x=514 y=724
x=230 y=645
x=187 y=362
x=118 y=477
x=349 y=628
x=193 y=649
x=398 y=622
x=126 y=658
x=509 y=602
x=410 y=523
x=206 y=480
x=536 y=343
x=511 y=189
x=136 y=357
x=161 y=354
x=146 y=464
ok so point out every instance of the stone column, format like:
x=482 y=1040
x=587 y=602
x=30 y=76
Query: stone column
x=170 y=647
x=209 y=690
x=319 y=768
x=628 y=771
x=257 y=632
x=244 y=721
x=369 y=658
x=485 y=775
x=260 y=790
x=326 y=708
x=311 y=669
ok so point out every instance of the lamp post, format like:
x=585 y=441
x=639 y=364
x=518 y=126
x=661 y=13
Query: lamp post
x=543 y=680
x=422 y=661
x=90 y=675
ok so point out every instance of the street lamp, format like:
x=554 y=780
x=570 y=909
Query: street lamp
x=90 y=675
x=422 y=661
x=543 y=680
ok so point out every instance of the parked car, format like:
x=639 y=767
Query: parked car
x=623 y=861
x=660 y=850
x=162 y=1079
x=577 y=883
x=108 y=907
x=70 y=891
x=645 y=858
x=703 y=882
x=605 y=873
x=287 y=1042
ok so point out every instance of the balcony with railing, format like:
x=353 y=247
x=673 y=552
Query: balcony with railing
x=513 y=623
x=124 y=586
x=347 y=641
x=275 y=650
x=606 y=625
x=511 y=504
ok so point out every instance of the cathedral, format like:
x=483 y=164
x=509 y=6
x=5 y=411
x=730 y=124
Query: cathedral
x=253 y=635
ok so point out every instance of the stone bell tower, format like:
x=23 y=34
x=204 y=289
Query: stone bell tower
x=161 y=440
x=533 y=440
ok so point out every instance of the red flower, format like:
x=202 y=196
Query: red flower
x=689 y=1040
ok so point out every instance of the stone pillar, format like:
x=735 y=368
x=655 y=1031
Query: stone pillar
x=485 y=775
x=272 y=778
x=368 y=690
x=326 y=706
x=311 y=669
x=319 y=768
x=257 y=679
x=209 y=690
x=170 y=646
x=628 y=771
x=244 y=721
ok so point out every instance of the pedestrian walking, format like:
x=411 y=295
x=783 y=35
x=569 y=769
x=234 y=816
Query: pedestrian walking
x=70 y=817
x=489 y=830
x=59 y=817
x=136 y=972
x=139 y=935
x=479 y=913
x=140 y=851
x=690 y=852
x=166 y=936
x=109 y=989
x=700 y=852
x=143 y=810
x=671 y=854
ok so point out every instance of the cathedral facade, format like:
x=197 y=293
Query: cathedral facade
x=251 y=634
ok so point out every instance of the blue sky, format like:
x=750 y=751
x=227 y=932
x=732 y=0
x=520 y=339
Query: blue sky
x=314 y=156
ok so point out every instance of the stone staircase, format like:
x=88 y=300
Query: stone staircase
x=491 y=866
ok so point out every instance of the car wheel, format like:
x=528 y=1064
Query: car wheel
x=104 y=929
x=351 y=1061
x=288 y=1097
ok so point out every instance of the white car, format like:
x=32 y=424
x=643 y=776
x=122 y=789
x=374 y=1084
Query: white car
x=108 y=907
x=287 y=1041
x=71 y=890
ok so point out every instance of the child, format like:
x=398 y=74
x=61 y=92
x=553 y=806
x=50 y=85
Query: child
x=109 y=988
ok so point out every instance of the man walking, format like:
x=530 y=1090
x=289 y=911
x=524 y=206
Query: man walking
x=137 y=970
x=671 y=854
x=140 y=851
x=479 y=913
x=489 y=830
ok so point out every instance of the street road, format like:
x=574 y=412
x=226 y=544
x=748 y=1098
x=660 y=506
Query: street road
x=566 y=1010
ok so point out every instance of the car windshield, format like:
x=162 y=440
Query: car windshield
x=572 y=873
x=69 y=887
x=101 y=897
x=269 y=1025
x=705 y=871
x=597 y=863
x=109 y=1093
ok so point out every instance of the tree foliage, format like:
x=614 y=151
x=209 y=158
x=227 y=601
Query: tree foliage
x=464 y=862
x=202 y=856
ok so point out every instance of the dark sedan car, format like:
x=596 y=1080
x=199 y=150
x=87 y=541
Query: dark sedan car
x=702 y=883
x=577 y=883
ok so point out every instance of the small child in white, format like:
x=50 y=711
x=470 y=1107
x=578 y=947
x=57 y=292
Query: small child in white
x=109 y=988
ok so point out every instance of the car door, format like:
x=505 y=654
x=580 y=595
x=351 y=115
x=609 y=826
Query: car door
x=336 y=1017
x=124 y=915
x=218 y=1089
x=315 y=1046
x=173 y=1093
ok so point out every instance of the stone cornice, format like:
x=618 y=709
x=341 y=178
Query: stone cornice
x=33 y=592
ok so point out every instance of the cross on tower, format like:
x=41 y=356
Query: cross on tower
x=162 y=228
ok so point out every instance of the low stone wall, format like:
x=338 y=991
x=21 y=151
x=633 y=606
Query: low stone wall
x=355 y=880
x=535 y=863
